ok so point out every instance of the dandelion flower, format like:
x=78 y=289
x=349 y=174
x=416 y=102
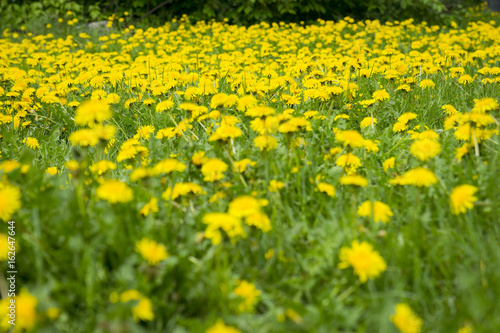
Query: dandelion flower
x=350 y=138
x=51 y=171
x=327 y=188
x=242 y=165
x=25 y=310
x=245 y=205
x=349 y=162
x=93 y=111
x=381 y=95
x=84 y=137
x=10 y=200
x=151 y=251
x=213 y=170
x=465 y=79
x=150 y=207
x=427 y=83
x=389 y=163
x=229 y=223
x=366 y=262
x=31 y=142
x=115 y=191
x=405 y=320
x=425 y=149
x=418 y=177
x=368 y=121
x=220 y=327
x=354 y=180
x=265 y=142
x=462 y=198
x=378 y=210
x=249 y=293
x=275 y=186
x=143 y=311
x=484 y=104
x=164 y=105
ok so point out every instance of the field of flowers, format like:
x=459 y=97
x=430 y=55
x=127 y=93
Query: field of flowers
x=336 y=177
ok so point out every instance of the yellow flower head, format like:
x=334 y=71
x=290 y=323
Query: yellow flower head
x=220 y=327
x=275 y=185
x=462 y=198
x=425 y=149
x=92 y=111
x=143 y=311
x=378 y=210
x=225 y=132
x=31 y=142
x=366 y=262
x=150 y=207
x=265 y=142
x=349 y=162
x=250 y=295
x=354 y=180
x=350 y=138
x=381 y=95
x=115 y=191
x=484 y=104
x=245 y=206
x=213 y=169
x=84 y=137
x=427 y=83
x=405 y=320
x=368 y=121
x=327 y=188
x=229 y=223
x=389 y=163
x=10 y=200
x=418 y=177
x=51 y=171
x=165 y=105
x=151 y=251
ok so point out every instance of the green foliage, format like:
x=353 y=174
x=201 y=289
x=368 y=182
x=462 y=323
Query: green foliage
x=15 y=14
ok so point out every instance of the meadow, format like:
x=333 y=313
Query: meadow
x=205 y=177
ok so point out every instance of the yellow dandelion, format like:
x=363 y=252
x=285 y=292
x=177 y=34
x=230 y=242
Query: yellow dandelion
x=350 y=138
x=31 y=143
x=164 y=105
x=427 y=83
x=366 y=262
x=10 y=200
x=462 y=198
x=379 y=211
x=275 y=186
x=418 y=177
x=227 y=222
x=425 y=149
x=220 y=327
x=368 y=121
x=381 y=95
x=389 y=163
x=213 y=169
x=405 y=320
x=92 y=111
x=151 y=251
x=327 y=188
x=354 y=180
x=51 y=171
x=115 y=191
x=250 y=295
x=265 y=142
x=143 y=311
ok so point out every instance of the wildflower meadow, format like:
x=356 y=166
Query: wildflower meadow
x=281 y=177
